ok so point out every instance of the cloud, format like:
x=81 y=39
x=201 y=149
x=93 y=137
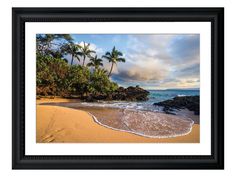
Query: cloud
x=92 y=47
x=152 y=45
x=144 y=69
x=180 y=83
x=170 y=61
x=192 y=70
x=140 y=74
x=172 y=49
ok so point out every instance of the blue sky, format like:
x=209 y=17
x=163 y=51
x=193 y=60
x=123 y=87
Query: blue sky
x=153 y=61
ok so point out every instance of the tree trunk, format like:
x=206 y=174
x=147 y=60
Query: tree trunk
x=72 y=58
x=83 y=60
x=111 y=70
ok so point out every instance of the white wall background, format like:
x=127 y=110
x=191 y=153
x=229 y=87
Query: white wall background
x=5 y=86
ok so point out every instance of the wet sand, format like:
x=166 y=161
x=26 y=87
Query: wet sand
x=60 y=124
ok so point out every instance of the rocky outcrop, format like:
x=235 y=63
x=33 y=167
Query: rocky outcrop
x=130 y=94
x=189 y=102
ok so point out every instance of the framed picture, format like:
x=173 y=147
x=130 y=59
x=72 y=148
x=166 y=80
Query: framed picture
x=118 y=88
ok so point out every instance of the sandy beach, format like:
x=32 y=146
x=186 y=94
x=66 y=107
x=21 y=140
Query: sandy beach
x=57 y=124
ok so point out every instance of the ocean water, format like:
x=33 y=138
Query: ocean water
x=155 y=96
x=162 y=95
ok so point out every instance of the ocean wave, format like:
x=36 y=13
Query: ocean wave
x=181 y=95
x=120 y=105
x=148 y=124
x=126 y=105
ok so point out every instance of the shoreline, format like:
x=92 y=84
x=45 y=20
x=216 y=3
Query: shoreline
x=135 y=133
x=61 y=124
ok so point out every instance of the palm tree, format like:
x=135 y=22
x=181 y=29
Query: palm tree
x=85 y=51
x=95 y=62
x=73 y=50
x=113 y=57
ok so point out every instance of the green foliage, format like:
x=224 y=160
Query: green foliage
x=100 y=83
x=51 y=75
x=56 y=77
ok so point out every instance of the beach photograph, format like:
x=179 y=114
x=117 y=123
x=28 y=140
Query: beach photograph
x=117 y=88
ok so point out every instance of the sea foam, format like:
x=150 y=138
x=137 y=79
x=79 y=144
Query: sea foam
x=148 y=124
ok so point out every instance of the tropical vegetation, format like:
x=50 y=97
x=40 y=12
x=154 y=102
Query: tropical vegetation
x=57 y=77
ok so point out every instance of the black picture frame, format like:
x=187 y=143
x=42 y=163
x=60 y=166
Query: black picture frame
x=213 y=15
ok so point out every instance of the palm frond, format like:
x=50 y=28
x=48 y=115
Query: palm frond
x=108 y=53
x=99 y=60
x=90 y=64
x=91 y=51
x=120 y=59
x=119 y=53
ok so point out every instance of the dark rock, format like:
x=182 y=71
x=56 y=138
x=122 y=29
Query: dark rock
x=130 y=94
x=100 y=97
x=90 y=99
x=189 y=102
